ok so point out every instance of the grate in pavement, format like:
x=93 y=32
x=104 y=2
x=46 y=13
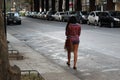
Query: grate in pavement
x=31 y=75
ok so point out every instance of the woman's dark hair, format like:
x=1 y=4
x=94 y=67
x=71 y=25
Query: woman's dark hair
x=72 y=19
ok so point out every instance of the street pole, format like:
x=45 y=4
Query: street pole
x=5 y=17
x=102 y=3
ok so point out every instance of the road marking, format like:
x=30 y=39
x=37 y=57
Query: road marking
x=108 y=70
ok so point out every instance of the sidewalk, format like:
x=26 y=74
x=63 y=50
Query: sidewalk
x=35 y=61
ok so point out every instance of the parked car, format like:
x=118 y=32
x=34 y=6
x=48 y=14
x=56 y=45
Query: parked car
x=58 y=16
x=49 y=15
x=33 y=14
x=67 y=15
x=27 y=13
x=111 y=18
x=93 y=17
x=82 y=16
x=39 y=14
x=13 y=18
x=43 y=15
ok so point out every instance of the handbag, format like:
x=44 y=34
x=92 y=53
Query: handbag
x=68 y=45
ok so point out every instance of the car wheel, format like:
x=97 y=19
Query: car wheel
x=111 y=25
x=49 y=19
x=59 y=20
x=88 y=22
x=81 y=22
x=99 y=24
x=63 y=19
x=95 y=23
x=19 y=23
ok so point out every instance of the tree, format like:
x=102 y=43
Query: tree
x=6 y=71
x=4 y=64
x=36 y=5
x=67 y=5
x=78 y=6
x=92 y=5
x=110 y=5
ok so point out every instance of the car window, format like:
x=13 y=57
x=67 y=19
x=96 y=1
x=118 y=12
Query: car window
x=10 y=14
x=118 y=13
x=62 y=13
x=113 y=13
x=84 y=13
x=13 y=15
x=104 y=14
x=98 y=13
x=92 y=14
x=66 y=13
x=16 y=14
x=72 y=12
x=57 y=13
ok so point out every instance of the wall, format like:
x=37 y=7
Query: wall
x=117 y=7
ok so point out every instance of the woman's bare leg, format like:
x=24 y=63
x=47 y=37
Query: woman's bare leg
x=75 y=54
x=69 y=56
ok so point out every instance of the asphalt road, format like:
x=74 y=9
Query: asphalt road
x=98 y=59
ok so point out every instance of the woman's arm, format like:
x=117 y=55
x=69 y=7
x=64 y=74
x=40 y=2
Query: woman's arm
x=67 y=29
x=79 y=32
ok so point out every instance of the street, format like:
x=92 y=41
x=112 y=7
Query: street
x=98 y=56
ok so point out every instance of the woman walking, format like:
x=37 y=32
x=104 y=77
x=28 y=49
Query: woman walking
x=73 y=31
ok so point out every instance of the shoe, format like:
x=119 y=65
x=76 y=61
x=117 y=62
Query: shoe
x=68 y=64
x=75 y=68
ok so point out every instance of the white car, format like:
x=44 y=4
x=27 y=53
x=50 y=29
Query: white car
x=39 y=14
x=93 y=17
x=58 y=16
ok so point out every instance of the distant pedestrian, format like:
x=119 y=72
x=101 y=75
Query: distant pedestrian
x=73 y=31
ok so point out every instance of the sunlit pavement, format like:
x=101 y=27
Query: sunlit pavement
x=98 y=59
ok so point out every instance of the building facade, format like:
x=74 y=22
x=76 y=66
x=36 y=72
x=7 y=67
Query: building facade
x=117 y=4
x=76 y=5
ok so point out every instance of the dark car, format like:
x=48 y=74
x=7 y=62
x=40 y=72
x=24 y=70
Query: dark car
x=13 y=18
x=111 y=18
x=81 y=16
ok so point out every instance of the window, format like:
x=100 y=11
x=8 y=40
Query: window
x=16 y=14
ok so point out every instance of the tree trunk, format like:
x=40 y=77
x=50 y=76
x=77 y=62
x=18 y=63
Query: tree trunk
x=67 y=5
x=60 y=5
x=6 y=71
x=36 y=5
x=110 y=5
x=92 y=5
x=4 y=64
x=78 y=5
x=53 y=5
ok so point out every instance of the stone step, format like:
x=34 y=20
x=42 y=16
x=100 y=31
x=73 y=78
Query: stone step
x=15 y=57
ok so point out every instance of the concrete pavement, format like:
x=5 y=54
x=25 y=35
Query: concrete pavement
x=35 y=61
